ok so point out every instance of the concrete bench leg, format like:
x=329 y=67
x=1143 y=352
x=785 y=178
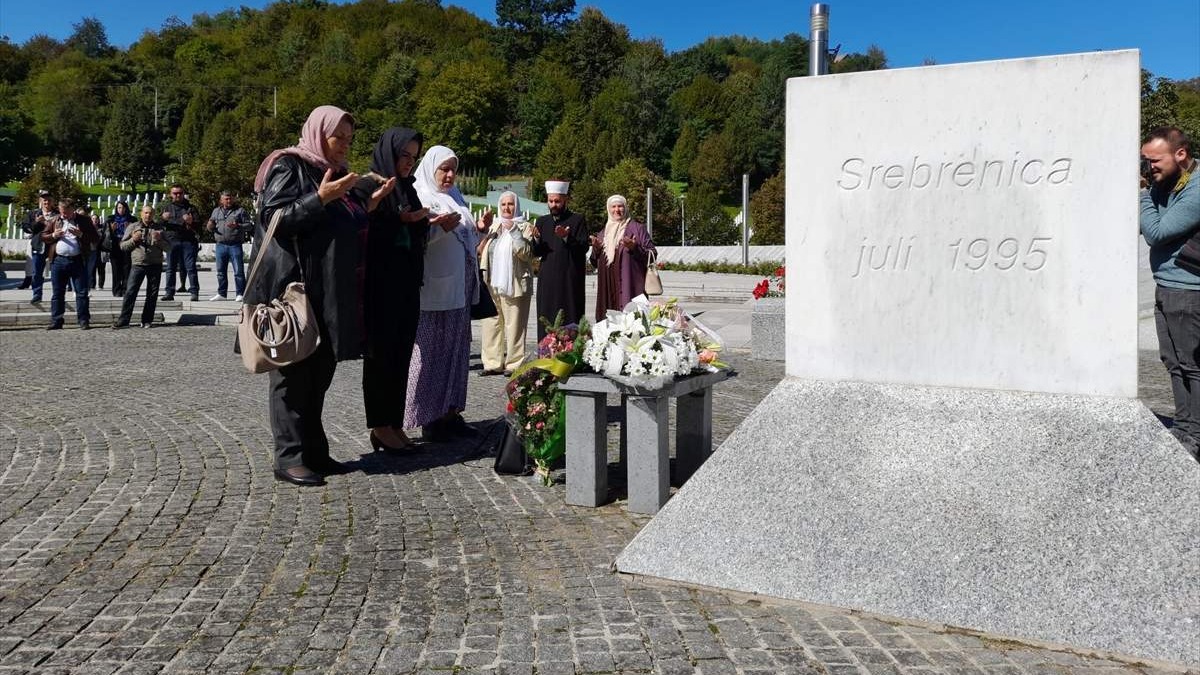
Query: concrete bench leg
x=649 y=468
x=587 y=449
x=693 y=432
x=624 y=456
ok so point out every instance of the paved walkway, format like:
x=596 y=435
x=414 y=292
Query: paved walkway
x=141 y=531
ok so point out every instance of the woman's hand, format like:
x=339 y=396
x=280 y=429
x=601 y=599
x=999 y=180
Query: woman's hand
x=382 y=191
x=628 y=243
x=485 y=221
x=413 y=216
x=330 y=189
x=446 y=221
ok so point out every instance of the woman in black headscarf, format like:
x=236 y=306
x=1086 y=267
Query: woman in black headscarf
x=392 y=295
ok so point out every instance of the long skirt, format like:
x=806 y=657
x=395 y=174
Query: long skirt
x=437 y=376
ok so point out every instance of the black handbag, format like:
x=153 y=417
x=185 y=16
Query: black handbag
x=511 y=459
x=1189 y=256
x=485 y=308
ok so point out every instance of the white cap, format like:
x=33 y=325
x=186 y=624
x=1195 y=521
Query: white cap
x=557 y=187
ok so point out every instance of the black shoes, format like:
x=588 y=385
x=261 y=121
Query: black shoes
x=459 y=427
x=54 y=326
x=120 y=324
x=85 y=326
x=380 y=446
x=328 y=466
x=490 y=371
x=299 y=475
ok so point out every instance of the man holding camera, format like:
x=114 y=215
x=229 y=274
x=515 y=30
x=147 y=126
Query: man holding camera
x=69 y=239
x=229 y=225
x=181 y=227
x=146 y=246
x=34 y=226
x=1170 y=223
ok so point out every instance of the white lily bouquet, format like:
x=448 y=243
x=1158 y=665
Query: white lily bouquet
x=649 y=344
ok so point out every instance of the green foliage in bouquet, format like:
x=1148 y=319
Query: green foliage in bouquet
x=534 y=400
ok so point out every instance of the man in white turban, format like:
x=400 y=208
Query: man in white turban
x=561 y=241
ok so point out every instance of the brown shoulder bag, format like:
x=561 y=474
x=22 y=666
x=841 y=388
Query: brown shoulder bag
x=283 y=331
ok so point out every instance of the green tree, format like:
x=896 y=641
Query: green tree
x=543 y=93
x=463 y=109
x=198 y=114
x=1159 y=100
x=646 y=74
x=18 y=145
x=131 y=148
x=62 y=100
x=14 y=66
x=708 y=223
x=767 y=215
x=45 y=176
x=593 y=49
x=562 y=156
x=90 y=38
x=1187 y=110
x=527 y=26
x=687 y=146
x=713 y=170
x=216 y=168
x=630 y=178
x=874 y=59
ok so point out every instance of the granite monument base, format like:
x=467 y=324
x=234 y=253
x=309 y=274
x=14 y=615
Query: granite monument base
x=1064 y=519
x=768 y=332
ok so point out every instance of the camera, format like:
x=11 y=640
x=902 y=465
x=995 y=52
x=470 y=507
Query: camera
x=1146 y=169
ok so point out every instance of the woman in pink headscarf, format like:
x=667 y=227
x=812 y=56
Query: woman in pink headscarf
x=319 y=240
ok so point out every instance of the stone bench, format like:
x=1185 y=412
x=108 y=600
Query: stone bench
x=644 y=436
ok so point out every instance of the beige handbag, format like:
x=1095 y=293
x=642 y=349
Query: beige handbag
x=653 y=282
x=281 y=332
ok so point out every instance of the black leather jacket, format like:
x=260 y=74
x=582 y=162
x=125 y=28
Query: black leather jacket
x=328 y=242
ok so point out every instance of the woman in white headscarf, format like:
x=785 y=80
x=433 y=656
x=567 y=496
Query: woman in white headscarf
x=505 y=255
x=620 y=254
x=437 y=382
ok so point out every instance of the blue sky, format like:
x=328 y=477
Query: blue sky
x=909 y=32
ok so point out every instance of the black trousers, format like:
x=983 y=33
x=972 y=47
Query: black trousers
x=297 y=399
x=120 y=271
x=1177 y=318
x=153 y=275
x=392 y=334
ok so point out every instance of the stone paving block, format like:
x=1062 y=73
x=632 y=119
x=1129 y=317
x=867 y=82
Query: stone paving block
x=420 y=563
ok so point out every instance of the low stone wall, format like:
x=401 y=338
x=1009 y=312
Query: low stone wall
x=207 y=251
x=725 y=254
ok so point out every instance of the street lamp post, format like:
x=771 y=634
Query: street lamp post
x=682 y=222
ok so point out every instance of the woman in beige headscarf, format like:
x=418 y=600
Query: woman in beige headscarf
x=619 y=255
x=505 y=255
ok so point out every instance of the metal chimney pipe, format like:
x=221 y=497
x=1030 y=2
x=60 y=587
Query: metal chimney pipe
x=818 y=40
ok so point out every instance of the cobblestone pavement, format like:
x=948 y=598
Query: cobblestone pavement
x=141 y=531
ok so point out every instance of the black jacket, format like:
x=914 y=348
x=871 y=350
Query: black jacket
x=330 y=247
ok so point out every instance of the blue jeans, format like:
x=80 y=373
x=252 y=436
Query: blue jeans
x=63 y=269
x=39 y=275
x=227 y=253
x=182 y=256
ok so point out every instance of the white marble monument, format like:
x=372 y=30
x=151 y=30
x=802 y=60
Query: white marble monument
x=966 y=226
x=958 y=440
